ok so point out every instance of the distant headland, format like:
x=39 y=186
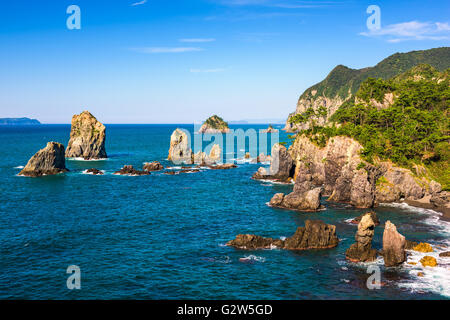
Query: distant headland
x=18 y=121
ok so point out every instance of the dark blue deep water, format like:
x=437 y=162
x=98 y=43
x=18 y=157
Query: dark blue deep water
x=161 y=236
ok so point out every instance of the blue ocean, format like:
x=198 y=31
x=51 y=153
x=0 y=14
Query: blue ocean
x=163 y=237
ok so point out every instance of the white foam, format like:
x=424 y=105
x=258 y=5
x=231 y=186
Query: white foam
x=19 y=167
x=87 y=160
x=435 y=279
x=251 y=258
x=92 y=174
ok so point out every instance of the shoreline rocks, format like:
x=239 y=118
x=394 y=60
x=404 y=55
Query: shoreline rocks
x=362 y=251
x=428 y=261
x=393 y=246
x=47 y=161
x=315 y=234
x=153 y=166
x=87 y=138
x=129 y=170
x=94 y=171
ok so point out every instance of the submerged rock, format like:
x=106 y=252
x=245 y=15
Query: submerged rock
x=128 y=170
x=94 y=171
x=87 y=138
x=153 y=166
x=314 y=235
x=393 y=246
x=362 y=251
x=180 y=150
x=47 y=161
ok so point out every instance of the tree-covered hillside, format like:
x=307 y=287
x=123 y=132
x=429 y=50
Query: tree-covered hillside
x=404 y=119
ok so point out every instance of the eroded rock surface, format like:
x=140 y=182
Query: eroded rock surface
x=153 y=166
x=362 y=251
x=47 y=161
x=129 y=170
x=87 y=138
x=180 y=149
x=314 y=235
x=393 y=246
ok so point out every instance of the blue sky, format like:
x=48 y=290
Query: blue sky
x=179 y=61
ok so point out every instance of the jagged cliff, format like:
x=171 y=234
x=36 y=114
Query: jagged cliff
x=325 y=98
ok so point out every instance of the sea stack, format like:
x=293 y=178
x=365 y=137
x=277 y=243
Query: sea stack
x=87 y=138
x=393 y=246
x=362 y=251
x=180 y=150
x=214 y=124
x=47 y=161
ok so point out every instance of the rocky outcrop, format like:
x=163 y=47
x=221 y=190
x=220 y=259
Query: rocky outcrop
x=282 y=167
x=410 y=245
x=214 y=124
x=47 y=161
x=263 y=158
x=153 y=166
x=346 y=177
x=444 y=254
x=423 y=247
x=180 y=149
x=215 y=156
x=314 y=235
x=373 y=215
x=270 y=129
x=225 y=166
x=362 y=251
x=94 y=172
x=87 y=138
x=393 y=246
x=428 y=261
x=306 y=201
x=128 y=170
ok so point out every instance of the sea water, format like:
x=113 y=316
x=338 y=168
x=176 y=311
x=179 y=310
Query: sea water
x=163 y=236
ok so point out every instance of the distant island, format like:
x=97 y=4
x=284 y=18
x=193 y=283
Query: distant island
x=18 y=122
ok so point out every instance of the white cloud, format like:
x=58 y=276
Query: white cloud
x=207 y=70
x=197 y=40
x=166 y=49
x=413 y=30
x=139 y=3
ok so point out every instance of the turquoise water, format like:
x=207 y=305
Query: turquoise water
x=162 y=237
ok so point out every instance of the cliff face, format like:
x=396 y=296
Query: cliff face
x=343 y=82
x=345 y=177
x=87 y=138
